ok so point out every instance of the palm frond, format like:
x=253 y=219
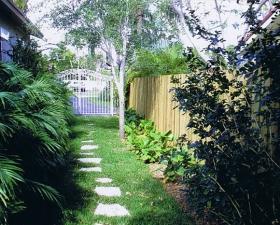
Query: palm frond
x=45 y=192
x=10 y=175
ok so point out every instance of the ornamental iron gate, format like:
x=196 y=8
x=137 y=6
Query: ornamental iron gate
x=93 y=92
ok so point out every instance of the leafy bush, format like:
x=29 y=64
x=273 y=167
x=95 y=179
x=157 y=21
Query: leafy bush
x=26 y=55
x=33 y=140
x=163 y=62
x=177 y=160
x=154 y=146
x=148 y=143
x=239 y=182
x=132 y=116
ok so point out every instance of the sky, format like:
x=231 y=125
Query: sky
x=204 y=8
x=52 y=35
x=38 y=8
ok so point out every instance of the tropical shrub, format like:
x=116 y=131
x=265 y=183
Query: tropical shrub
x=132 y=116
x=177 y=160
x=162 y=62
x=26 y=55
x=34 y=131
x=154 y=146
x=239 y=182
x=148 y=143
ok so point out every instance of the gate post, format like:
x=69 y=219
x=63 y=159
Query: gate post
x=112 y=97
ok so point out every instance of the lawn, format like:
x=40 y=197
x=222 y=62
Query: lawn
x=142 y=195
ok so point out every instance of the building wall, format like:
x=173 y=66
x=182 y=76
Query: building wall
x=9 y=33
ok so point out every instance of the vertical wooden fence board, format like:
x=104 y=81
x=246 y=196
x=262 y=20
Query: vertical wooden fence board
x=152 y=98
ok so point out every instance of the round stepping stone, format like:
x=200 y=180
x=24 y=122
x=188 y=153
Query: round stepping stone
x=104 y=180
x=111 y=210
x=91 y=169
x=86 y=153
x=108 y=191
x=88 y=141
x=89 y=147
x=90 y=160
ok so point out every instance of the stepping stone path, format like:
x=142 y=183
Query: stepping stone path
x=108 y=191
x=91 y=169
x=89 y=147
x=90 y=160
x=107 y=210
x=111 y=210
x=104 y=180
x=86 y=153
x=88 y=141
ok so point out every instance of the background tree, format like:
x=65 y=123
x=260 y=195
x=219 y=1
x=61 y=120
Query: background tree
x=22 y=4
x=61 y=59
x=114 y=27
x=221 y=17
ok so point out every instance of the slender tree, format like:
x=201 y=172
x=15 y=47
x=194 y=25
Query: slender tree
x=113 y=26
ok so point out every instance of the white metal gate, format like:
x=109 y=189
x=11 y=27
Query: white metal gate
x=92 y=91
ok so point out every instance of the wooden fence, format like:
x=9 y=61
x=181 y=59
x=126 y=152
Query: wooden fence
x=152 y=98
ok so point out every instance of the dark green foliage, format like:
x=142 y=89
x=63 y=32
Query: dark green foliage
x=62 y=59
x=132 y=116
x=34 y=134
x=239 y=182
x=162 y=62
x=26 y=55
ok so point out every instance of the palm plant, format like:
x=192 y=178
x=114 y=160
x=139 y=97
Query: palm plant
x=34 y=115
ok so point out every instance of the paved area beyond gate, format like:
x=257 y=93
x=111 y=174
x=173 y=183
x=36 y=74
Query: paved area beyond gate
x=92 y=91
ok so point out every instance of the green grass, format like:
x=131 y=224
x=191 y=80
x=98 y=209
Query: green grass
x=142 y=195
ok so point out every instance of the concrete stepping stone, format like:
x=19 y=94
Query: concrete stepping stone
x=89 y=147
x=91 y=169
x=86 y=153
x=90 y=160
x=108 y=191
x=87 y=141
x=111 y=210
x=104 y=180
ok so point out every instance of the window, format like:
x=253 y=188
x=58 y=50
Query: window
x=5 y=47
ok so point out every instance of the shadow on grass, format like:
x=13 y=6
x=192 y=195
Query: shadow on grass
x=77 y=132
x=63 y=177
x=75 y=197
x=155 y=218
x=106 y=123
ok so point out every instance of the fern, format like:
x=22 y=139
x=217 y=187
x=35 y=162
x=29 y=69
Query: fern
x=34 y=115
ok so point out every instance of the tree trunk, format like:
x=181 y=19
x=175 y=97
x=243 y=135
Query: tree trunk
x=139 y=18
x=121 y=116
x=122 y=99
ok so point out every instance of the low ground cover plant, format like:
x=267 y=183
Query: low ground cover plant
x=147 y=142
x=34 y=130
x=153 y=146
